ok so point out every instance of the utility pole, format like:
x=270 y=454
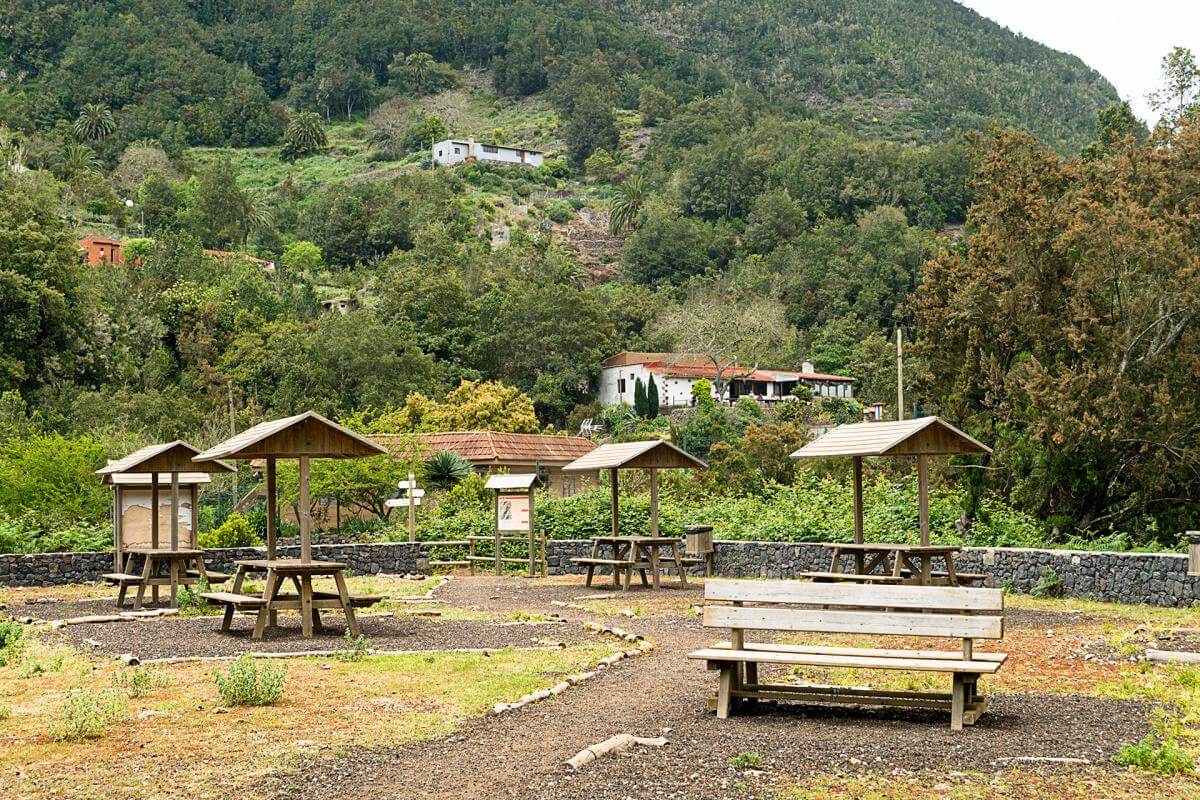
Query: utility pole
x=231 y=433
x=899 y=373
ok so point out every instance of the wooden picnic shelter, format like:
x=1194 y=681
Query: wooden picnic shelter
x=170 y=463
x=302 y=437
x=632 y=552
x=913 y=438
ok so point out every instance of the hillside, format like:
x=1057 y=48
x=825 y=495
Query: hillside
x=906 y=69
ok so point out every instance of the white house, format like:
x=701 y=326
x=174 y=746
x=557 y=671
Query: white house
x=456 y=151
x=676 y=373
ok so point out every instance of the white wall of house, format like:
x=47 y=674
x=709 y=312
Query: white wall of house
x=456 y=151
x=617 y=386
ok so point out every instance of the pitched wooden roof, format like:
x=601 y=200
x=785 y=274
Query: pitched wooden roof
x=655 y=453
x=929 y=436
x=492 y=447
x=173 y=456
x=502 y=482
x=307 y=434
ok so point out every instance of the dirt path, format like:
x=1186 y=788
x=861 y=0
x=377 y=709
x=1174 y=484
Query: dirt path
x=520 y=754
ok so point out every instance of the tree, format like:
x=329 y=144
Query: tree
x=255 y=214
x=626 y=204
x=158 y=202
x=1066 y=331
x=445 y=468
x=639 y=398
x=302 y=257
x=1180 y=93
x=652 y=402
x=732 y=332
x=78 y=159
x=217 y=216
x=95 y=122
x=304 y=136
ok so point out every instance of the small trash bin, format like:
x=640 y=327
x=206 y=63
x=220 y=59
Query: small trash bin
x=699 y=539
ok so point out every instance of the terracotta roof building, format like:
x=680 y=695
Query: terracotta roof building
x=491 y=451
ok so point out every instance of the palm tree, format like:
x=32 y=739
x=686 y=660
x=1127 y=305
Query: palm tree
x=255 y=213
x=418 y=66
x=94 y=122
x=627 y=202
x=304 y=136
x=445 y=468
x=76 y=158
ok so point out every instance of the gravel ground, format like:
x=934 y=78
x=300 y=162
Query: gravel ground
x=520 y=754
x=201 y=636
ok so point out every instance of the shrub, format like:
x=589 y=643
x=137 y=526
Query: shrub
x=12 y=642
x=138 y=681
x=246 y=684
x=445 y=468
x=1156 y=756
x=1049 y=585
x=191 y=604
x=85 y=713
x=235 y=531
x=561 y=212
x=353 y=648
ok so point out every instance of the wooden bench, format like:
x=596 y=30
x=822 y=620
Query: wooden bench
x=850 y=577
x=122 y=580
x=232 y=602
x=619 y=565
x=209 y=575
x=886 y=610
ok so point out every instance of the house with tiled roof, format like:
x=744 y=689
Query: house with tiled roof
x=492 y=451
x=676 y=373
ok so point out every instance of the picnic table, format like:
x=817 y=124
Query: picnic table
x=306 y=600
x=160 y=566
x=882 y=562
x=629 y=553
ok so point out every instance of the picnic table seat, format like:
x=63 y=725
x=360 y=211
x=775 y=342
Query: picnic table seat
x=212 y=576
x=850 y=577
x=884 y=610
x=233 y=602
x=121 y=578
x=356 y=600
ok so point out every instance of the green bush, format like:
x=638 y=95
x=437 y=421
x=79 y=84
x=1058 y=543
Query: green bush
x=138 y=681
x=86 y=713
x=1156 y=756
x=12 y=642
x=746 y=760
x=49 y=479
x=25 y=534
x=561 y=212
x=245 y=683
x=1049 y=585
x=236 y=531
x=353 y=648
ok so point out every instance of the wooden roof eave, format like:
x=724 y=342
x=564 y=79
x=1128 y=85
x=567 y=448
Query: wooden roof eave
x=653 y=454
x=927 y=436
x=308 y=434
x=176 y=456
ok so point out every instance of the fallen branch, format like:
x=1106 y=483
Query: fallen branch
x=614 y=744
x=1167 y=656
x=329 y=653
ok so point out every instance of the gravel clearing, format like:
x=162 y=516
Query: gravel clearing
x=521 y=754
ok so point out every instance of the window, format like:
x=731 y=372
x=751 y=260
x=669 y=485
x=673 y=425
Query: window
x=620 y=386
x=439 y=153
x=490 y=148
x=458 y=151
x=569 y=489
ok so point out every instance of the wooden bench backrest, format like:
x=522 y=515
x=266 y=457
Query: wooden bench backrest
x=941 y=611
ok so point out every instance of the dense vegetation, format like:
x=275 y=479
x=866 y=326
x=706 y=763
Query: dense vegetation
x=775 y=203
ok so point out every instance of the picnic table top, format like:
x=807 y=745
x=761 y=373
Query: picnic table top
x=291 y=565
x=891 y=546
x=637 y=539
x=168 y=552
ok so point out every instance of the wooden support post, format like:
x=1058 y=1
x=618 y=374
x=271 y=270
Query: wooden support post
x=412 y=509
x=899 y=373
x=923 y=501
x=272 y=509
x=653 y=501
x=471 y=555
x=616 y=512
x=117 y=503
x=496 y=549
x=532 y=538
x=174 y=535
x=153 y=526
x=194 y=493
x=305 y=521
x=858 y=500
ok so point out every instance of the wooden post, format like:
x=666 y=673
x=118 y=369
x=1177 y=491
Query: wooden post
x=412 y=513
x=272 y=509
x=923 y=491
x=899 y=373
x=858 y=500
x=616 y=513
x=194 y=493
x=153 y=526
x=117 y=527
x=532 y=541
x=305 y=522
x=653 y=501
x=496 y=553
x=174 y=510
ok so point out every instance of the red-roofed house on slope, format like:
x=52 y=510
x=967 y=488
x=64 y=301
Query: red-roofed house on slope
x=491 y=451
x=676 y=373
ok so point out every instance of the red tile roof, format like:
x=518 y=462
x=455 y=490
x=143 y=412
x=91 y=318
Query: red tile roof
x=736 y=373
x=490 y=447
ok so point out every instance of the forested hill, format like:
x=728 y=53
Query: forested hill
x=908 y=67
x=905 y=69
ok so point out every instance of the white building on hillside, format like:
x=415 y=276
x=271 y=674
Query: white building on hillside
x=676 y=373
x=456 y=151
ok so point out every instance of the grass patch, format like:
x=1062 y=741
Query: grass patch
x=85 y=713
x=248 y=683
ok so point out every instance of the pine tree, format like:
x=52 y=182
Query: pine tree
x=652 y=399
x=639 y=397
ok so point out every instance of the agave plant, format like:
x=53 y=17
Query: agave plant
x=445 y=468
x=627 y=202
x=95 y=121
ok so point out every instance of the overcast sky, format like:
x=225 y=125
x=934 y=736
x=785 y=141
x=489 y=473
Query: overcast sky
x=1123 y=40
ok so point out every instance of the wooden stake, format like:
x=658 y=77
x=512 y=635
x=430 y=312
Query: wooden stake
x=923 y=491
x=653 y=501
x=272 y=508
x=858 y=500
x=305 y=522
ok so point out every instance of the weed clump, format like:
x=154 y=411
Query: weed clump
x=245 y=683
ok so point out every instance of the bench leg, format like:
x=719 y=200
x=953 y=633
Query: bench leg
x=751 y=679
x=591 y=568
x=344 y=596
x=227 y=619
x=958 y=700
x=121 y=594
x=725 y=689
